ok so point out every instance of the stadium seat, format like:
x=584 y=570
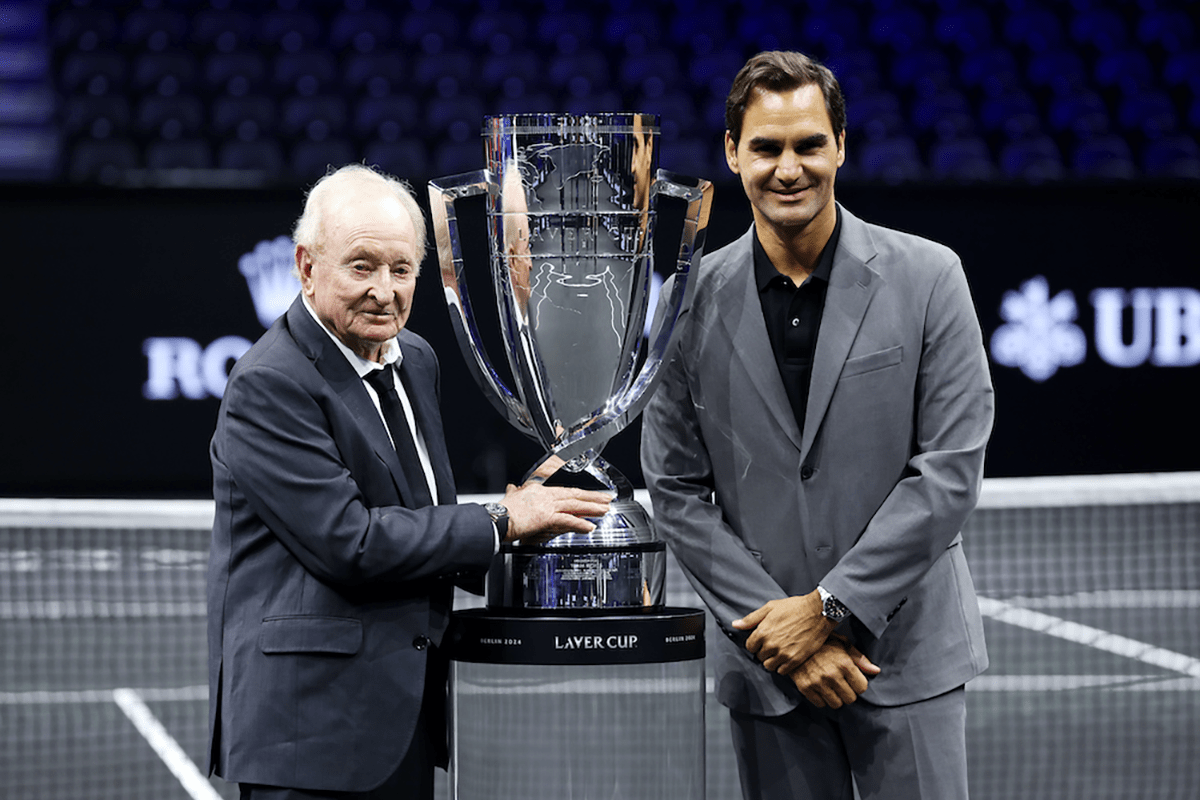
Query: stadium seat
x=1100 y=28
x=290 y=30
x=376 y=73
x=765 y=29
x=966 y=28
x=84 y=29
x=387 y=118
x=630 y=26
x=562 y=25
x=224 y=30
x=405 y=159
x=892 y=160
x=1183 y=70
x=179 y=154
x=964 y=160
x=97 y=116
x=1012 y=113
x=1082 y=113
x=713 y=72
x=101 y=72
x=654 y=67
x=102 y=160
x=590 y=65
x=306 y=72
x=1105 y=156
x=165 y=72
x=946 y=114
x=460 y=117
x=899 y=27
x=856 y=70
x=1061 y=71
x=175 y=117
x=924 y=69
x=875 y=116
x=697 y=28
x=263 y=155
x=833 y=29
x=244 y=118
x=524 y=65
x=154 y=29
x=1034 y=28
x=1174 y=156
x=319 y=118
x=993 y=69
x=364 y=30
x=451 y=158
x=432 y=29
x=1150 y=113
x=1035 y=159
x=525 y=103
x=498 y=30
x=430 y=70
x=1169 y=28
x=1128 y=70
x=312 y=159
x=238 y=73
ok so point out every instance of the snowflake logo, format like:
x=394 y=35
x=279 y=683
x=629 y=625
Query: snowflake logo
x=1040 y=335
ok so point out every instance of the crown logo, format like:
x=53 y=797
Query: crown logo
x=268 y=270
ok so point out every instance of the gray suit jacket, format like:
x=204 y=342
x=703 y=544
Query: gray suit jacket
x=869 y=500
x=325 y=583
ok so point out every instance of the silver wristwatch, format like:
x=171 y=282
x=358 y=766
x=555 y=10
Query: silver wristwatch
x=832 y=608
x=499 y=515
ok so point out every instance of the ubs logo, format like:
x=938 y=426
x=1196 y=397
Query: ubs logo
x=1132 y=327
x=181 y=367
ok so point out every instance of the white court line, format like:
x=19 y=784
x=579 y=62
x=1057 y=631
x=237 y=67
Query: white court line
x=195 y=784
x=1062 y=683
x=1060 y=628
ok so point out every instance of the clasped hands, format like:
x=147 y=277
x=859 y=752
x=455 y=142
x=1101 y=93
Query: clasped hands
x=792 y=637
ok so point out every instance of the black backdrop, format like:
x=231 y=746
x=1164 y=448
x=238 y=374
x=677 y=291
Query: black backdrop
x=93 y=273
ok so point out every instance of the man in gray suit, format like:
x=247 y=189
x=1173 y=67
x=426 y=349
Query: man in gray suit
x=815 y=446
x=337 y=539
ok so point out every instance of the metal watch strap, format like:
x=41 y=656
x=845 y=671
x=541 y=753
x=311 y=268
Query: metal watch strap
x=499 y=515
x=832 y=608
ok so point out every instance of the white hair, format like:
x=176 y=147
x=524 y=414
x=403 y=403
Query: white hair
x=307 y=231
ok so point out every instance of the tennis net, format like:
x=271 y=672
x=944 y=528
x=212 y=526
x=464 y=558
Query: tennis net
x=1090 y=588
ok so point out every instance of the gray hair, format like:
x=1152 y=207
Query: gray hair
x=308 y=227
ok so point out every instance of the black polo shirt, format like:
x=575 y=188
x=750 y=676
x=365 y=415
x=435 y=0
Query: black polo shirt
x=793 y=317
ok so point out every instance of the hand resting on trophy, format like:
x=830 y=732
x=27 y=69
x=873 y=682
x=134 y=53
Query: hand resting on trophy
x=537 y=513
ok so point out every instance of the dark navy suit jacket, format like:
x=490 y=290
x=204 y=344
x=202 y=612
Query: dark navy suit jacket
x=325 y=584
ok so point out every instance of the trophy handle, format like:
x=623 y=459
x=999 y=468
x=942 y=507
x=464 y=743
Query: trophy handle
x=623 y=409
x=442 y=194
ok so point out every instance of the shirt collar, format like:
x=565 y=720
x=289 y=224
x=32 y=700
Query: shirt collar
x=391 y=349
x=765 y=272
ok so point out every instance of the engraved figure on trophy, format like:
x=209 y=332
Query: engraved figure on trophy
x=570 y=219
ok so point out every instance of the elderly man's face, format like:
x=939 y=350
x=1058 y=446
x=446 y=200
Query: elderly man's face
x=361 y=275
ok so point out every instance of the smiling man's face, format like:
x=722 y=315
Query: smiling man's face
x=361 y=278
x=788 y=158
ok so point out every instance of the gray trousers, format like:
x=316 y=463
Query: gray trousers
x=910 y=752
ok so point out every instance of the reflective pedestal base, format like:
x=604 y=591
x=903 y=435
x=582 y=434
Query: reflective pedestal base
x=596 y=708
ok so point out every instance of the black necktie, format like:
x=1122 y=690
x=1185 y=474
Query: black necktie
x=397 y=421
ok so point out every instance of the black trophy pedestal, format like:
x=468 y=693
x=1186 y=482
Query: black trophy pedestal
x=577 y=706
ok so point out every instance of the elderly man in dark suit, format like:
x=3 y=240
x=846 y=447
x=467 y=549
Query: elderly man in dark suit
x=337 y=539
x=812 y=452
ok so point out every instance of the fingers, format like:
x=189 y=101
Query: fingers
x=752 y=619
x=863 y=663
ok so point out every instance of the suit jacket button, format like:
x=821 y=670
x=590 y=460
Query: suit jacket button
x=806 y=472
x=421 y=642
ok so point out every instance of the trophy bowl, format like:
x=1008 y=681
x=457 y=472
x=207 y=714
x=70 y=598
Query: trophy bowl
x=570 y=224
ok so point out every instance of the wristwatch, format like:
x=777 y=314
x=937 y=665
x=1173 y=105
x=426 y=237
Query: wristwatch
x=832 y=608
x=499 y=515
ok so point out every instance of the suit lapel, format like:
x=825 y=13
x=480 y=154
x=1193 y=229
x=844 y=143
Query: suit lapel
x=748 y=332
x=851 y=286
x=348 y=386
